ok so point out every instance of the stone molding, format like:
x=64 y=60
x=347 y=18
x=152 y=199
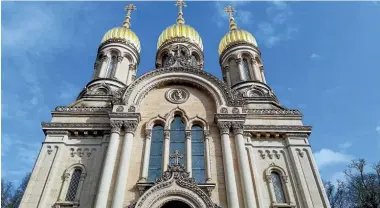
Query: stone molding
x=81 y=109
x=55 y=125
x=272 y=112
x=278 y=128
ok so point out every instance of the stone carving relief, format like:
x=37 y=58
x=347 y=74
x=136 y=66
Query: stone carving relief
x=80 y=152
x=223 y=110
x=274 y=154
x=173 y=182
x=117 y=96
x=130 y=126
x=177 y=95
x=120 y=109
x=300 y=152
x=235 y=111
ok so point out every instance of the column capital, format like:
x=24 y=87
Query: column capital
x=148 y=133
x=120 y=59
x=206 y=134
x=238 y=60
x=188 y=134
x=237 y=127
x=166 y=134
x=224 y=127
x=116 y=126
x=130 y=126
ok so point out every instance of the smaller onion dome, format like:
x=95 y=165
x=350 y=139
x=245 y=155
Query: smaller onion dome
x=123 y=33
x=235 y=35
x=180 y=30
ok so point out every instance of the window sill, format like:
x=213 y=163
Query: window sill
x=283 y=205
x=206 y=187
x=66 y=204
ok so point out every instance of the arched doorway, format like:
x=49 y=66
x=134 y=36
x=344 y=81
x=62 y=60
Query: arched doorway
x=175 y=204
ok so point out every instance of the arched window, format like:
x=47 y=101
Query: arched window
x=111 y=66
x=193 y=61
x=247 y=75
x=278 y=188
x=155 y=159
x=74 y=183
x=165 y=60
x=198 y=157
x=177 y=138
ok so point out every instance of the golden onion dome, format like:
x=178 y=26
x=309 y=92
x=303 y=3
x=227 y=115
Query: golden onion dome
x=235 y=35
x=124 y=34
x=180 y=30
x=177 y=31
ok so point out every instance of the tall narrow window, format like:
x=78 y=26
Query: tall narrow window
x=74 y=183
x=198 y=159
x=177 y=137
x=247 y=75
x=155 y=158
x=277 y=187
x=111 y=66
x=165 y=60
x=193 y=61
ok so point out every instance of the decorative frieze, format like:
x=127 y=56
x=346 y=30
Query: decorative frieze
x=274 y=154
x=280 y=128
x=272 y=112
x=82 y=109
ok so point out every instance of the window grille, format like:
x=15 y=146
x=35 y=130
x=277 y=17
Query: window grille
x=155 y=158
x=198 y=159
x=246 y=69
x=74 y=183
x=177 y=138
x=277 y=187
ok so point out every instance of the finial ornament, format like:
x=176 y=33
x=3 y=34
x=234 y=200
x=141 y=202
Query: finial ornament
x=127 y=21
x=229 y=9
x=176 y=156
x=180 y=4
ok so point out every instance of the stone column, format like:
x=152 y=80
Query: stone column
x=229 y=171
x=188 y=152
x=166 y=150
x=228 y=76
x=122 y=176
x=239 y=62
x=148 y=142
x=256 y=70
x=131 y=73
x=109 y=165
x=62 y=194
x=207 y=156
x=104 y=61
x=245 y=173
x=262 y=75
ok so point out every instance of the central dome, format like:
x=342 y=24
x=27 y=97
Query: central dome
x=179 y=32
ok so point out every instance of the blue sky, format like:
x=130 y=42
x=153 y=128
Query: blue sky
x=319 y=57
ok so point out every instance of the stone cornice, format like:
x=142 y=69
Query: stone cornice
x=81 y=109
x=54 y=125
x=278 y=128
x=282 y=112
x=125 y=116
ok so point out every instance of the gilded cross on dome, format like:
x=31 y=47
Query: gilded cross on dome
x=176 y=156
x=127 y=21
x=229 y=9
x=180 y=4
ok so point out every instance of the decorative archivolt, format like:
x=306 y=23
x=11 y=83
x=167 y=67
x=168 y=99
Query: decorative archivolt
x=218 y=90
x=166 y=121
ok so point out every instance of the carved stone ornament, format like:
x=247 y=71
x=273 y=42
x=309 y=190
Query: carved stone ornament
x=223 y=110
x=237 y=127
x=120 y=109
x=130 y=126
x=116 y=126
x=177 y=95
x=175 y=182
x=117 y=96
x=235 y=110
x=132 y=109
x=224 y=127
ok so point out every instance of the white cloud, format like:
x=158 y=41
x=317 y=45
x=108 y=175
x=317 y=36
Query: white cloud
x=315 y=56
x=337 y=176
x=326 y=157
x=345 y=145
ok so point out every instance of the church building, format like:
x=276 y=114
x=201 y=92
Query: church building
x=176 y=136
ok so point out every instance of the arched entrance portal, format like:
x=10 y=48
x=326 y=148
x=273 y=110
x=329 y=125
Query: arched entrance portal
x=175 y=204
